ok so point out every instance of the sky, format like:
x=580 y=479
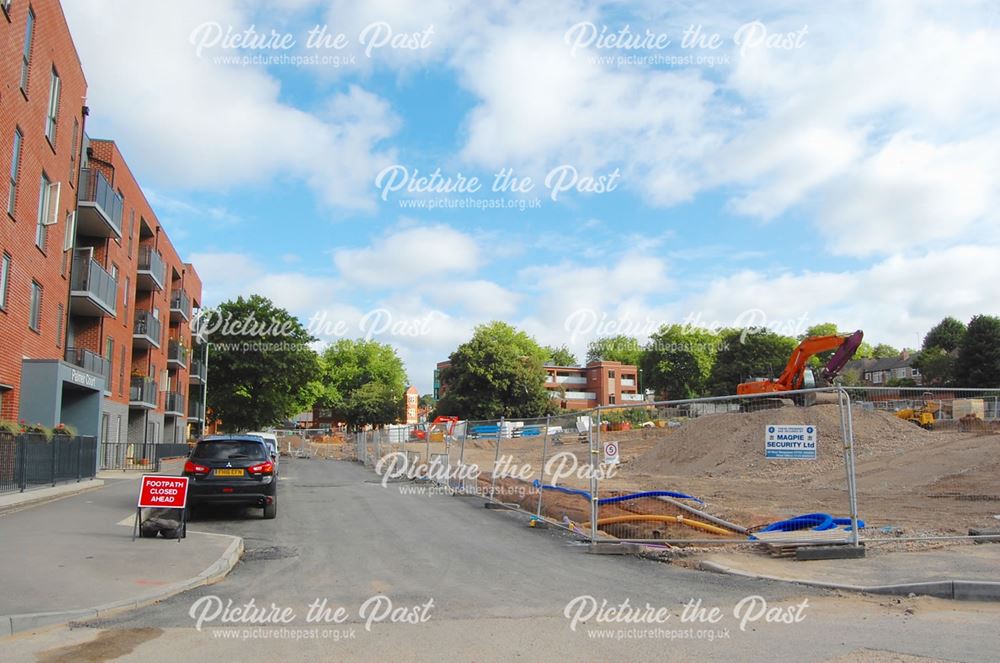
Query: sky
x=405 y=171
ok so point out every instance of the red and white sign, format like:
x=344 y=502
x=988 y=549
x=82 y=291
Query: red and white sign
x=159 y=492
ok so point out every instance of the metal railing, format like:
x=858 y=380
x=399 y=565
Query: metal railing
x=142 y=390
x=198 y=370
x=90 y=361
x=196 y=410
x=181 y=303
x=174 y=403
x=139 y=455
x=90 y=278
x=148 y=326
x=95 y=189
x=151 y=261
x=176 y=352
x=32 y=460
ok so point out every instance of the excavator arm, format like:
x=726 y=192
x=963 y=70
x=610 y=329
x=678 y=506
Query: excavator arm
x=791 y=378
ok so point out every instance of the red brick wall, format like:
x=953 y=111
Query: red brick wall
x=52 y=46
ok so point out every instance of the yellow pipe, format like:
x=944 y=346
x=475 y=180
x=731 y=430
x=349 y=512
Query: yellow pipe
x=697 y=524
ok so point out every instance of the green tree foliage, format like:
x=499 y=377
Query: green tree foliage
x=821 y=329
x=884 y=351
x=677 y=361
x=426 y=401
x=621 y=348
x=946 y=335
x=498 y=372
x=865 y=351
x=978 y=363
x=261 y=368
x=560 y=356
x=748 y=353
x=937 y=367
x=364 y=382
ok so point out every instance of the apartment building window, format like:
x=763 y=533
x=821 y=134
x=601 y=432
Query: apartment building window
x=109 y=354
x=131 y=232
x=48 y=207
x=29 y=32
x=121 y=372
x=15 y=167
x=35 y=316
x=70 y=233
x=4 y=280
x=611 y=374
x=73 y=150
x=60 y=320
x=128 y=288
x=52 y=118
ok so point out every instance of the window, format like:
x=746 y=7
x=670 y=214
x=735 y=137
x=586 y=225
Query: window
x=61 y=313
x=73 y=150
x=128 y=286
x=121 y=373
x=52 y=119
x=611 y=400
x=109 y=354
x=915 y=372
x=29 y=31
x=4 y=280
x=42 y=230
x=611 y=374
x=6 y=7
x=70 y=232
x=35 y=318
x=15 y=166
x=131 y=231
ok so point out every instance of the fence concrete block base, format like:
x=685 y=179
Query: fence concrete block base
x=806 y=553
x=992 y=534
x=965 y=590
x=614 y=548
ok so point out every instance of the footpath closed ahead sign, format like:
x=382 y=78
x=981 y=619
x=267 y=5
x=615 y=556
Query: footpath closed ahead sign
x=794 y=442
x=159 y=492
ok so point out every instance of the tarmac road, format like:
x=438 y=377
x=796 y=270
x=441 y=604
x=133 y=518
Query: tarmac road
x=483 y=586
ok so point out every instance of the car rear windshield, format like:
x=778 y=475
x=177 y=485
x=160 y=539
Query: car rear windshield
x=228 y=450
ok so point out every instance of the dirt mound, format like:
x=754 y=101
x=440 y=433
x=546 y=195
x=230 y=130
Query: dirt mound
x=733 y=443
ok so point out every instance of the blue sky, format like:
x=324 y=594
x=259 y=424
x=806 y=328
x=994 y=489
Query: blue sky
x=830 y=164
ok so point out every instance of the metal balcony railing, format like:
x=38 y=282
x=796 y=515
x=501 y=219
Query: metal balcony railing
x=142 y=391
x=198 y=371
x=95 y=192
x=177 y=353
x=92 y=281
x=90 y=361
x=180 y=303
x=196 y=410
x=148 y=326
x=151 y=264
x=174 y=403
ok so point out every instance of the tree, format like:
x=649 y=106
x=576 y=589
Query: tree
x=884 y=351
x=864 y=351
x=426 y=401
x=937 y=367
x=677 y=361
x=621 y=348
x=748 y=353
x=364 y=382
x=261 y=367
x=978 y=363
x=821 y=329
x=560 y=356
x=946 y=335
x=498 y=372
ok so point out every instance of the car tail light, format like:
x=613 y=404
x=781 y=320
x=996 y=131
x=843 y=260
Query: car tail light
x=267 y=467
x=191 y=467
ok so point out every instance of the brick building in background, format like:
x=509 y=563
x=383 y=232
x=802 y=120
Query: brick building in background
x=95 y=303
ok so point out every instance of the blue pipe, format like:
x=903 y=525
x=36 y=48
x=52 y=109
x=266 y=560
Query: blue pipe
x=619 y=498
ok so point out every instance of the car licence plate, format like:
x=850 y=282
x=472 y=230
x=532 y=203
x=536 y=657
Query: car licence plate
x=229 y=473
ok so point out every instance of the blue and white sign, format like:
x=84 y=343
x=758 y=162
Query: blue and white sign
x=790 y=442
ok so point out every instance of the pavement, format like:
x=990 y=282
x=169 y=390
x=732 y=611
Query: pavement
x=495 y=589
x=72 y=558
x=966 y=572
x=36 y=496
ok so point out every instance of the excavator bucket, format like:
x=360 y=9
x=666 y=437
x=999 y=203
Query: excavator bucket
x=843 y=355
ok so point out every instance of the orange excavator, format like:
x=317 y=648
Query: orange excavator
x=795 y=373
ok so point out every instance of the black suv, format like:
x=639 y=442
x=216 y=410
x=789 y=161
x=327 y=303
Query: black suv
x=232 y=469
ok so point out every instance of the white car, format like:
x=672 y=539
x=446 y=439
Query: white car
x=271 y=440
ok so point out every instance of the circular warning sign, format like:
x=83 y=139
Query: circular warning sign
x=611 y=449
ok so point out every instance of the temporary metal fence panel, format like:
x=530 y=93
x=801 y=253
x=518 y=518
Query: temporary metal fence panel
x=32 y=460
x=721 y=469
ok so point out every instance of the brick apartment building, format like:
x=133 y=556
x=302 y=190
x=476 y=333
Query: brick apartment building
x=95 y=303
x=579 y=387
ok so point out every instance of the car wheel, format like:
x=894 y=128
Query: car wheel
x=271 y=510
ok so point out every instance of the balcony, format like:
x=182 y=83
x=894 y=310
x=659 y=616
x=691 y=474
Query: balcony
x=180 y=306
x=90 y=361
x=632 y=398
x=199 y=372
x=142 y=393
x=151 y=273
x=628 y=382
x=94 y=291
x=196 y=410
x=99 y=211
x=174 y=404
x=147 y=332
x=571 y=379
x=177 y=355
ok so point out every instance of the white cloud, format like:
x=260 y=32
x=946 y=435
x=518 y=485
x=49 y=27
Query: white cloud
x=403 y=257
x=206 y=125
